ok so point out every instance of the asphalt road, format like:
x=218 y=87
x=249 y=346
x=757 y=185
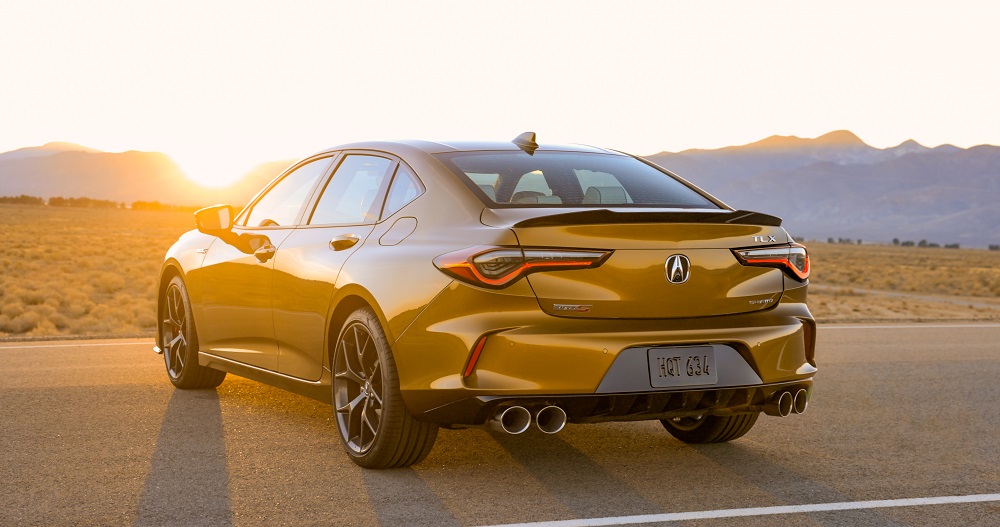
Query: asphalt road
x=91 y=433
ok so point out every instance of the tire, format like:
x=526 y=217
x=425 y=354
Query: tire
x=179 y=341
x=710 y=428
x=374 y=426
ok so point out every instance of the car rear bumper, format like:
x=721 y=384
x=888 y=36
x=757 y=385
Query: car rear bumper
x=594 y=367
x=478 y=410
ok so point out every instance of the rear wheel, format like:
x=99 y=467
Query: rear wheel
x=710 y=428
x=375 y=427
x=179 y=341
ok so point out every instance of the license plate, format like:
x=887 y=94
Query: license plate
x=691 y=366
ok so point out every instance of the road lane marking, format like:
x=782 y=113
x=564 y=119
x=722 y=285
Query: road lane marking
x=144 y=343
x=758 y=511
x=825 y=327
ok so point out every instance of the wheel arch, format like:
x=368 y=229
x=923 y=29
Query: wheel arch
x=348 y=300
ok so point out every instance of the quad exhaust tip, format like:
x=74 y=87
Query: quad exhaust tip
x=780 y=404
x=784 y=403
x=551 y=419
x=517 y=419
x=801 y=401
x=513 y=420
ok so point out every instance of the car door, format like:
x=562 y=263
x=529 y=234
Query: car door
x=233 y=312
x=309 y=260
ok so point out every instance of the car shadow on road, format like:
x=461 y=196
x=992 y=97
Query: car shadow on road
x=789 y=486
x=401 y=497
x=188 y=481
x=578 y=482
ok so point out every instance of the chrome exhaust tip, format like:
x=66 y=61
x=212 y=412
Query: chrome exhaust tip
x=551 y=419
x=780 y=404
x=801 y=401
x=513 y=420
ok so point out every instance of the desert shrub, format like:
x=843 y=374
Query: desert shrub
x=12 y=308
x=107 y=282
x=22 y=323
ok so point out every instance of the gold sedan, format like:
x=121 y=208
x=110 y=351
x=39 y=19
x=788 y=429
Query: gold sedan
x=416 y=285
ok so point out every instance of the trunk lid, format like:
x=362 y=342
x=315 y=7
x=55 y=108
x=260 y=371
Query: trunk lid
x=633 y=282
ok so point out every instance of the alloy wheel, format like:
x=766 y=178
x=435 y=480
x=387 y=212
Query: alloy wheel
x=358 y=386
x=174 y=331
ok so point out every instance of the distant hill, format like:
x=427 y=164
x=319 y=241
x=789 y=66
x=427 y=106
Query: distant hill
x=67 y=170
x=44 y=150
x=837 y=186
x=252 y=182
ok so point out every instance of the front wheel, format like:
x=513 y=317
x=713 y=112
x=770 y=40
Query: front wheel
x=375 y=427
x=710 y=428
x=179 y=341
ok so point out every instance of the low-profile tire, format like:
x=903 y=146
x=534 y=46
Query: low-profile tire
x=179 y=341
x=374 y=426
x=710 y=428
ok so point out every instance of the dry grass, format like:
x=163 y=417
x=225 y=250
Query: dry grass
x=66 y=271
x=69 y=271
x=853 y=283
x=935 y=271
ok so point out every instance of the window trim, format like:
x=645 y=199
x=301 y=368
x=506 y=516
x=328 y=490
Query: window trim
x=244 y=215
x=423 y=189
x=313 y=202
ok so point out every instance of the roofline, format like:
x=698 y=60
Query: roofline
x=435 y=147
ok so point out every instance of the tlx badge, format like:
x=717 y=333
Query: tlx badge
x=764 y=239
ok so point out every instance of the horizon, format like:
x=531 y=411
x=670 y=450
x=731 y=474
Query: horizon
x=223 y=90
x=237 y=178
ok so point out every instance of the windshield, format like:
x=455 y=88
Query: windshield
x=570 y=179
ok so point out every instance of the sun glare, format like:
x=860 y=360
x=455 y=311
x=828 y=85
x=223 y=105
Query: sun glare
x=212 y=171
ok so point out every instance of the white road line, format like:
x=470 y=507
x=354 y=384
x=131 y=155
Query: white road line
x=144 y=343
x=826 y=327
x=759 y=511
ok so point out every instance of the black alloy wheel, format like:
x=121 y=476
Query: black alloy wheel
x=179 y=341
x=375 y=427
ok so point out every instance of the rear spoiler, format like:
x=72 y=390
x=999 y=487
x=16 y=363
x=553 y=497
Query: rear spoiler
x=733 y=217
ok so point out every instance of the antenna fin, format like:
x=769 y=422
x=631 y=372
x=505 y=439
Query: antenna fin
x=526 y=142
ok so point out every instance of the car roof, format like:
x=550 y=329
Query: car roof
x=432 y=147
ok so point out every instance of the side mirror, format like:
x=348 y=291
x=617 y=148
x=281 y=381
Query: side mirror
x=215 y=220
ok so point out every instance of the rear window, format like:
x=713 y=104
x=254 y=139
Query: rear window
x=570 y=179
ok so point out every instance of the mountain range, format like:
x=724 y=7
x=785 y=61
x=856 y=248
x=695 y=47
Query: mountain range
x=834 y=185
x=837 y=186
x=73 y=171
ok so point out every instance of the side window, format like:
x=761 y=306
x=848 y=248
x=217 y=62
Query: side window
x=405 y=188
x=281 y=205
x=349 y=198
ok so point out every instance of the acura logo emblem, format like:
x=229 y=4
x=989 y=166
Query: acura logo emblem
x=678 y=269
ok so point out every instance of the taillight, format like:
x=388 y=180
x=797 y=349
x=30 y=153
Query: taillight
x=498 y=267
x=792 y=258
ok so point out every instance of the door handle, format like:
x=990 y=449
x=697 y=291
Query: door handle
x=345 y=241
x=265 y=253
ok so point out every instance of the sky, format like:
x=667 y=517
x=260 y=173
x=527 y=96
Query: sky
x=223 y=86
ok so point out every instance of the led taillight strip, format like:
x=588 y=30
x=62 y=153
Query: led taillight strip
x=779 y=256
x=463 y=265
